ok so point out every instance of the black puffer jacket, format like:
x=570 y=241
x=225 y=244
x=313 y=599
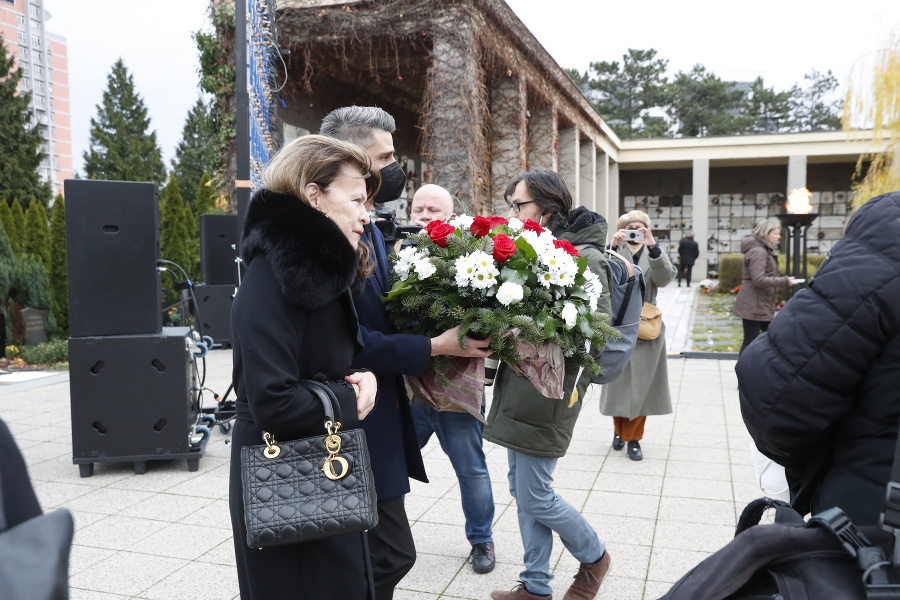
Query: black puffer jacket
x=820 y=393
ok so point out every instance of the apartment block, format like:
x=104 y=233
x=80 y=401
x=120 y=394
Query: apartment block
x=42 y=55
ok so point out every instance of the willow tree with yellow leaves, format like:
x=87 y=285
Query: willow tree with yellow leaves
x=873 y=100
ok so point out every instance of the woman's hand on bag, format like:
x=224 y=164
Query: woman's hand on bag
x=446 y=344
x=366 y=387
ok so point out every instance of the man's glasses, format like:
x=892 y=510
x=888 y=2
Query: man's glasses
x=516 y=206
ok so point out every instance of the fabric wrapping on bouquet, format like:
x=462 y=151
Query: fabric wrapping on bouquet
x=464 y=394
x=541 y=364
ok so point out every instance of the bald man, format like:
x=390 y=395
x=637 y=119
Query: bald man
x=458 y=432
x=431 y=203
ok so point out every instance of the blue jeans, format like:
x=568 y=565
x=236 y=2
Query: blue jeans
x=541 y=512
x=460 y=437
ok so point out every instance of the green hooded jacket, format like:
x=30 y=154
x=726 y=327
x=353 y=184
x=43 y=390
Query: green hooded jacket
x=520 y=417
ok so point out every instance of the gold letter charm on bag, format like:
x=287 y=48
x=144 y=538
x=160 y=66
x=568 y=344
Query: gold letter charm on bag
x=333 y=445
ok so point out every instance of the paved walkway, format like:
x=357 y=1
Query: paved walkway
x=166 y=535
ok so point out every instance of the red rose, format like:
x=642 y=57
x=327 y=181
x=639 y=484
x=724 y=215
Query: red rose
x=532 y=226
x=569 y=248
x=432 y=224
x=481 y=226
x=440 y=232
x=497 y=222
x=504 y=247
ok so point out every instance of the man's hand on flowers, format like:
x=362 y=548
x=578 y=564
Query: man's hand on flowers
x=446 y=344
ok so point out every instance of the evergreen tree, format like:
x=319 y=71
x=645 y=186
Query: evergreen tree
x=703 y=104
x=37 y=233
x=817 y=107
x=206 y=196
x=767 y=111
x=7 y=264
x=192 y=242
x=59 y=279
x=17 y=233
x=626 y=91
x=195 y=154
x=9 y=224
x=120 y=146
x=21 y=140
x=173 y=236
x=31 y=287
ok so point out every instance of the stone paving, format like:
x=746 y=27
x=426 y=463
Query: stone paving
x=166 y=534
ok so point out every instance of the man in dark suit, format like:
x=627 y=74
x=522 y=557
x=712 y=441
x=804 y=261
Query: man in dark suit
x=688 y=251
x=389 y=427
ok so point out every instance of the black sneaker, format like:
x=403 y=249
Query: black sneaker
x=482 y=557
x=634 y=451
x=617 y=444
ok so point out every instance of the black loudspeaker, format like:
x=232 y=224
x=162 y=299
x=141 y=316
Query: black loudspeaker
x=214 y=306
x=112 y=245
x=218 y=233
x=131 y=400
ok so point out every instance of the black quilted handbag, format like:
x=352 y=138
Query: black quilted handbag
x=308 y=489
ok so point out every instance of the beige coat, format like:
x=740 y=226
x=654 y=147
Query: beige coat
x=643 y=387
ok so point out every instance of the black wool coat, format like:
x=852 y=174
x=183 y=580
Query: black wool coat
x=293 y=318
x=820 y=392
x=688 y=252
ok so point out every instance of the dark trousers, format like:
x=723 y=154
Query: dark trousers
x=684 y=272
x=751 y=330
x=391 y=547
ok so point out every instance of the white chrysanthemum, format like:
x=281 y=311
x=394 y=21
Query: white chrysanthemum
x=563 y=279
x=483 y=279
x=465 y=270
x=424 y=268
x=463 y=222
x=570 y=315
x=592 y=302
x=482 y=260
x=515 y=225
x=405 y=261
x=510 y=293
x=545 y=278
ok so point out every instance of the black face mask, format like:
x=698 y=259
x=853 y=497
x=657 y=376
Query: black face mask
x=393 y=181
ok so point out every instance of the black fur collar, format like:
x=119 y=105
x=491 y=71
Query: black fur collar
x=311 y=258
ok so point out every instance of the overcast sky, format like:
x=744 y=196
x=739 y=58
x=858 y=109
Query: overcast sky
x=779 y=40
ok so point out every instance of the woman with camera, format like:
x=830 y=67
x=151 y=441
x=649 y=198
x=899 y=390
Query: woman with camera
x=643 y=387
x=755 y=302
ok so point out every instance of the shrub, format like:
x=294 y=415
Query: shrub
x=730 y=268
x=45 y=354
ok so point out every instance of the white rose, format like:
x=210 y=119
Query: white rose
x=462 y=222
x=570 y=315
x=424 y=268
x=515 y=225
x=510 y=293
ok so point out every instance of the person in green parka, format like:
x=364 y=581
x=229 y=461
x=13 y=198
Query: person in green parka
x=537 y=430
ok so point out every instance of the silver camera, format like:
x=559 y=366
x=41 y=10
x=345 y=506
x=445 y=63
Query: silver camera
x=633 y=235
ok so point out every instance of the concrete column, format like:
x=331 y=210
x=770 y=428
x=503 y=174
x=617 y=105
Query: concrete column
x=601 y=184
x=453 y=144
x=508 y=136
x=700 y=219
x=613 y=201
x=569 y=160
x=587 y=158
x=543 y=139
x=796 y=177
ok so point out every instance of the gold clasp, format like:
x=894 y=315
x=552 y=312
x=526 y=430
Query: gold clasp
x=333 y=445
x=271 y=451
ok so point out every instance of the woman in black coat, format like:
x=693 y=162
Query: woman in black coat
x=19 y=500
x=293 y=318
x=819 y=392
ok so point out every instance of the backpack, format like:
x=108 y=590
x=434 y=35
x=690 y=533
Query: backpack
x=627 y=298
x=827 y=558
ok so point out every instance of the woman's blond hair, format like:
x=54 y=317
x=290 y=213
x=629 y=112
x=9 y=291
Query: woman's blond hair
x=319 y=159
x=762 y=230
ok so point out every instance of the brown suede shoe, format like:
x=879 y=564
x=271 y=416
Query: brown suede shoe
x=517 y=593
x=588 y=579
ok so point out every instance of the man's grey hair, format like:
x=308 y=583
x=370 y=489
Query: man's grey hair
x=356 y=124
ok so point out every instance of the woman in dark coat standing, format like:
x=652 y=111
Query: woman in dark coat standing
x=755 y=302
x=819 y=392
x=293 y=318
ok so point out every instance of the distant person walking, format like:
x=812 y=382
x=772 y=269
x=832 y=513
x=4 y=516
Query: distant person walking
x=755 y=302
x=688 y=252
